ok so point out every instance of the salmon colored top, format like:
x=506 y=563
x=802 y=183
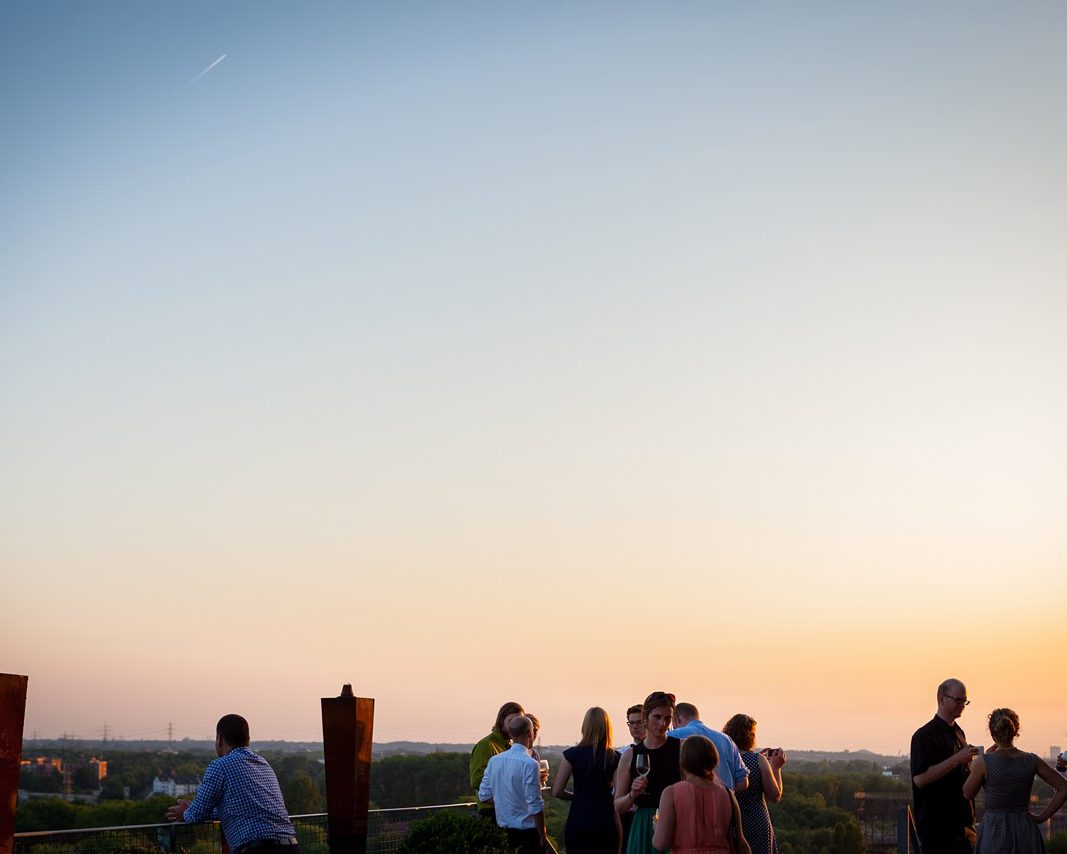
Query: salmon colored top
x=702 y=818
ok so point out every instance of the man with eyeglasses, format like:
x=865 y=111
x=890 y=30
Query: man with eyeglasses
x=635 y=720
x=940 y=760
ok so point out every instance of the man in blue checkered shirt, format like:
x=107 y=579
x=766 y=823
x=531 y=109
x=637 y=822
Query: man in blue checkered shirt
x=240 y=790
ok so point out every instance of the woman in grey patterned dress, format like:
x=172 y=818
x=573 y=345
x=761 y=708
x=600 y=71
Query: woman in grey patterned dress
x=1007 y=773
x=764 y=784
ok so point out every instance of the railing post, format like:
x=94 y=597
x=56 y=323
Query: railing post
x=12 y=721
x=347 y=739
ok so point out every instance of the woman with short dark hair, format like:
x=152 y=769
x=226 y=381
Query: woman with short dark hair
x=764 y=784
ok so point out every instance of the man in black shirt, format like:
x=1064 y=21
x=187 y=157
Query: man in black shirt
x=940 y=757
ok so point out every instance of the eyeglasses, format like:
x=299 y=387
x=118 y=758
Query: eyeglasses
x=963 y=700
x=635 y=723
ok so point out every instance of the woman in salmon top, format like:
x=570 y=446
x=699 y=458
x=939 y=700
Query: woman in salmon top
x=699 y=814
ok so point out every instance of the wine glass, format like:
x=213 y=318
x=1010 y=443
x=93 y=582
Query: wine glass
x=544 y=773
x=642 y=764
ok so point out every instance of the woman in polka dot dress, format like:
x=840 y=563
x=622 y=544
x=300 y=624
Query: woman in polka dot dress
x=764 y=783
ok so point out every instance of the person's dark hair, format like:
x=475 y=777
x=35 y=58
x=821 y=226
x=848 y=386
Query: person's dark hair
x=698 y=756
x=655 y=700
x=687 y=711
x=509 y=708
x=234 y=730
x=742 y=729
x=1003 y=725
x=637 y=708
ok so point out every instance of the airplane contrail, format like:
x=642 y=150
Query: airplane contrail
x=206 y=70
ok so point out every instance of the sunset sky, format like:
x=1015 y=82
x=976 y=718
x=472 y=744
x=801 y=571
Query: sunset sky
x=471 y=352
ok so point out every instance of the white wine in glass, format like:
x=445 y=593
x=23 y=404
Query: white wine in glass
x=642 y=764
x=544 y=773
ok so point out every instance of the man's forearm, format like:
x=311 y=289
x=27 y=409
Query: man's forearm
x=935 y=772
x=539 y=823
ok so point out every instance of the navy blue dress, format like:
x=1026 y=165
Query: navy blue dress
x=591 y=821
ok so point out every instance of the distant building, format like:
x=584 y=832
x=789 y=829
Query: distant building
x=99 y=767
x=175 y=787
x=42 y=764
x=1054 y=751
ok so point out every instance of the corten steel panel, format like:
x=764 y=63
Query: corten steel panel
x=347 y=739
x=12 y=720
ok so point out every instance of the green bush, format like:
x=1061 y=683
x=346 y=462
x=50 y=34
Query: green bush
x=454 y=832
x=1057 y=844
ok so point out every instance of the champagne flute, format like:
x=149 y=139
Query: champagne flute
x=642 y=764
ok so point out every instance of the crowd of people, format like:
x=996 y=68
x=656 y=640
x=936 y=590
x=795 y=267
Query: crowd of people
x=690 y=789
x=680 y=785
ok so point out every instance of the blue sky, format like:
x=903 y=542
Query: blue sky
x=438 y=304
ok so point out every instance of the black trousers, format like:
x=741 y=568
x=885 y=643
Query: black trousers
x=525 y=841
x=938 y=839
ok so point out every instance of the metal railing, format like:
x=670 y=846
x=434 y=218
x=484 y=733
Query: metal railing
x=385 y=831
x=909 y=834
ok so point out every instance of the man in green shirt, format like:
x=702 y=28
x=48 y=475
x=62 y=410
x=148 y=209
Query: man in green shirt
x=496 y=742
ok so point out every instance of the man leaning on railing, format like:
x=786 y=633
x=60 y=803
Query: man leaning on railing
x=241 y=790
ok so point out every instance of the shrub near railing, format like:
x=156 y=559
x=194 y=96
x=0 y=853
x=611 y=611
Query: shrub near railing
x=449 y=833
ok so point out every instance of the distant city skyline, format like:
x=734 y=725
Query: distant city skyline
x=479 y=352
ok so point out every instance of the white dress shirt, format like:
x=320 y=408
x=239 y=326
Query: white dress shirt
x=513 y=781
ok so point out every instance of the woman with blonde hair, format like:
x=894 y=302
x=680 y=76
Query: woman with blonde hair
x=1007 y=774
x=593 y=826
x=699 y=815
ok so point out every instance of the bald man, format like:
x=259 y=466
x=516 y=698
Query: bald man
x=940 y=760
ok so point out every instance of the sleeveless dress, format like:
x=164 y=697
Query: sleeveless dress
x=1007 y=827
x=591 y=820
x=664 y=772
x=702 y=819
x=755 y=817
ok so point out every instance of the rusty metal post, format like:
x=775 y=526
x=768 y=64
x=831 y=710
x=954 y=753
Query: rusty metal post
x=347 y=738
x=12 y=720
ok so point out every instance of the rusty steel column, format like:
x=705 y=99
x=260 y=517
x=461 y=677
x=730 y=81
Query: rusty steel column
x=347 y=738
x=12 y=720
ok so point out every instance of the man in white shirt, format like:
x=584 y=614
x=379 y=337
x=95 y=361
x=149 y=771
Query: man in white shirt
x=512 y=784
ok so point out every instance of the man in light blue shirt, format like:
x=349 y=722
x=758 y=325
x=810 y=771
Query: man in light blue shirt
x=512 y=784
x=731 y=771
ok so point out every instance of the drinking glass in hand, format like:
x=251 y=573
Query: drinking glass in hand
x=544 y=773
x=642 y=764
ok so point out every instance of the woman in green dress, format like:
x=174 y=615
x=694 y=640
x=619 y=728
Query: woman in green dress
x=643 y=789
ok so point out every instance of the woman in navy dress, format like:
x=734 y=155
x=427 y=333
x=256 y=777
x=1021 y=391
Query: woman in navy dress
x=764 y=784
x=593 y=826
